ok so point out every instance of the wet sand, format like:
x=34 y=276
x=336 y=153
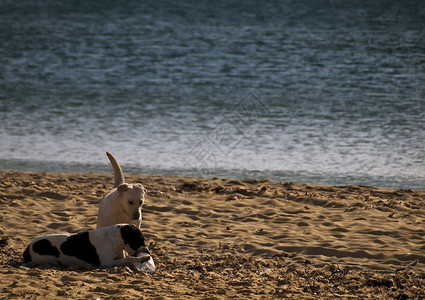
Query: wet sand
x=222 y=239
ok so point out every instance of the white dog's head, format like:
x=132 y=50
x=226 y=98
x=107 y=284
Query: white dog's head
x=131 y=198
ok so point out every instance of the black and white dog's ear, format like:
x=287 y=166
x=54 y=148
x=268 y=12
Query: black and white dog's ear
x=123 y=187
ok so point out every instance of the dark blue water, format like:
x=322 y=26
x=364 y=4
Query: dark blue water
x=311 y=91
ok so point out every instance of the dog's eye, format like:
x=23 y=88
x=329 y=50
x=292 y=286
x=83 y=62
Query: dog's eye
x=130 y=202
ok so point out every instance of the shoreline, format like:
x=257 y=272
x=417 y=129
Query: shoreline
x=222 y=237
x=300 y=176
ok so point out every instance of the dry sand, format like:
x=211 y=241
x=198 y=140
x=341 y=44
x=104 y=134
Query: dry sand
x=221 y=239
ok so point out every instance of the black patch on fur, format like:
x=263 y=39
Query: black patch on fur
x=45 y=247
x=79 y=245
x=27 y=255
x=132 y=236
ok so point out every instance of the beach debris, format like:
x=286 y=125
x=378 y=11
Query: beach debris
x=147 y=266
x=3 y=242
x=232 y=197
x=266 y=271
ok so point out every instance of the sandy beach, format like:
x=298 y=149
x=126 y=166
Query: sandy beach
x=222 y=239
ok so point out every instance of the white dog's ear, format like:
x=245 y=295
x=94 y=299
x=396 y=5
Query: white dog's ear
x=142 y=188
x=122 y=188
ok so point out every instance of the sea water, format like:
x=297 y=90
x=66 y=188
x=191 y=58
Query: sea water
x=326 y=92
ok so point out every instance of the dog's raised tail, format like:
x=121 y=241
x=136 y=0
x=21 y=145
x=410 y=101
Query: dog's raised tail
x=118 y=174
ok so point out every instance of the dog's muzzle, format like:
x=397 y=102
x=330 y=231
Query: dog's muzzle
x=143 y=250
x=136 y=215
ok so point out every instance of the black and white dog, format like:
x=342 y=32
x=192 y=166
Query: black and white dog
x=99 y=248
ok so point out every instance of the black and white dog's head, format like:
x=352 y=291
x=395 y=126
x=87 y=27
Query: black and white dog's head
x=100 y=247
x=133 y=238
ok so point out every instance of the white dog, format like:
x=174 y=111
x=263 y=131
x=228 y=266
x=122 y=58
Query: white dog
x=124 y=203
x=98 y=248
